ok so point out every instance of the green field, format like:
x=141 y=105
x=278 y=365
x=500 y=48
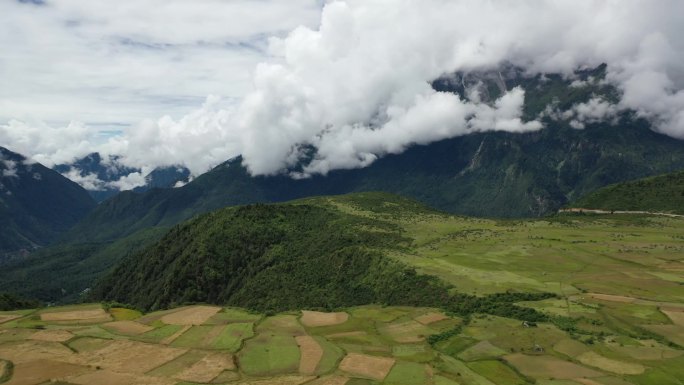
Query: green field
x=616 y=316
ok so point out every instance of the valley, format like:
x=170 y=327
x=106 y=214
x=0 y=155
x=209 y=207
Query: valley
x=613 y=313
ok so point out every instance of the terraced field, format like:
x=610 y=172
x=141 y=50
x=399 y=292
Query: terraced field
x=356 y=346
x=617 y=318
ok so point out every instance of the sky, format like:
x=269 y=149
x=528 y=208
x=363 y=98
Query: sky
x=169 y=82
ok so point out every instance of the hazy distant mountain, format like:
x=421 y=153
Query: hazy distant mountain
x=101 y=177
x=36 y=204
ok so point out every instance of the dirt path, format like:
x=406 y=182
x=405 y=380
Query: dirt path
x=599 y=211
x=311 y=354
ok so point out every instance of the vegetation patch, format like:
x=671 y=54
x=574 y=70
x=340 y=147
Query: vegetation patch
x=480 y=351
x=610 y=365
x=179 y=364
x=407 y=373
x=127 y=327
x=232 y=336
x=194 y=315
x=232 y=315
x=124 y=314
x=161 y=333
x=497 y=372
x=207 y=368
x=269 y=355
x=332 y=354
x=548 y=367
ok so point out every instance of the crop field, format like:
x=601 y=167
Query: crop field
x=373 y=345
x=617 y=318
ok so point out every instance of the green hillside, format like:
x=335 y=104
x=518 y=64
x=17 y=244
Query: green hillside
x=663 y=193
x=307 y=254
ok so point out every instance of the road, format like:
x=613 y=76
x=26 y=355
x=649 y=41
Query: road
x=598 y=211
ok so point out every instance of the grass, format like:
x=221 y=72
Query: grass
x=160 y=333
x=179 y=364
x=406 y=373
x=269 y=355
x=332 y=355
x=497 y=372
x=195 y=337
x=232 y=336
x=231 y=315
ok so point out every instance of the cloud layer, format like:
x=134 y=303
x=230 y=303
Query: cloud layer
x=356 y=86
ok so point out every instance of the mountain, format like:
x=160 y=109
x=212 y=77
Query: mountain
x=484 y=174
x=100 y=175
x=493 y=174
x=662 y=193
x=37 y=204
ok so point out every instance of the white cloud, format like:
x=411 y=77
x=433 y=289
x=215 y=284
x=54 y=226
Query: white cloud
x=355 y=88
x=10 y=169
x=88 y=181
x=594 y=111
x=111 y=63
x=128 y=182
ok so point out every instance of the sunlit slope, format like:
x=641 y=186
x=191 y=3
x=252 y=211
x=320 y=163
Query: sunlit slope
x=663 y=193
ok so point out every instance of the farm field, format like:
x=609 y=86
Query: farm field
x=361 y=345
x=617 y=317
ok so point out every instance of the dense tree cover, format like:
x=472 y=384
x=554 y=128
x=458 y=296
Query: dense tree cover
x=664 y=193
x=12 y=302
x=284 y=257
x=61 y=273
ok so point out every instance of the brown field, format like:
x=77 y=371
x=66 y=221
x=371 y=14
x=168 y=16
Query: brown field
x=132 y=357
x=570 y=347
x=609 y=365
x=407 y=332
x=8 y=317
x=94 y=315
x=284 y=380
x=430 y=318
x=207 y=368
x=39 y=371
x=127 y=327
x=673 y=333
x=373 y=367
x=194 y=315
x=168 y=340
x=586 y=381
x=311 y=354
x=106 y=377
x=27 y=351
x=52 y=335
x=677 y=317
x=315 y=318
x=330 y=380
x=547 y=367
x=612 y=298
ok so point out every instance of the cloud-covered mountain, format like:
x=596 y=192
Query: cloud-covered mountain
x=36 y=204
x=357 y=87
x=106 y=177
